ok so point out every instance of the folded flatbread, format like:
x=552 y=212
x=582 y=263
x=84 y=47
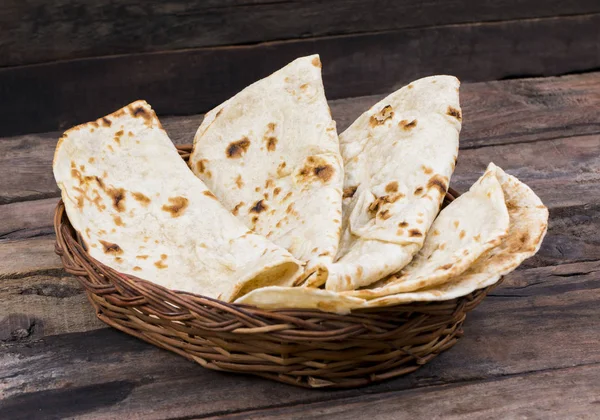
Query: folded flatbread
x=276 y=297
x=271 y=155
x=527 y=228
x=471 y=225
x=398 y=159
x=140 y=210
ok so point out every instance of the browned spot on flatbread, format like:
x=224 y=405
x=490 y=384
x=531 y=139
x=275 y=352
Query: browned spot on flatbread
x=382 y=116
x=438 y=182
x=239 y=181
x=392 y=187
x=349 y=192
x=130 y=134
x=427 y=170
x=453 y=112
x=280 y=169
x=118 y=135
x=141 y=198
x=419 y=191
x=119 y=259
x=106 y=122
x=137 y=268
x=462 y=234
x=160 y=264
x=414 y=233
x=456 y=223
x=118 y=198
x=141 y=112
x=276 y=191
x=271 y=142
x=407 y=125
x=236 y=209
x=271 y=126
x=163 y=256
x=288 y=195
x=91 y=160
x=316 y=62
x=384 y=199
x=110 y=248
x=316 y=169
x=142 y=257
x=254 y=219
x=209 y=194
x=259 y=207
x=436 y=232
x=201 y=166
x=385 y=214
x=236 y=149
x=524 y=238
x=403 y=224
x=269 y=183
x=445 y=267
x=177 y=206
x=118 y=221
x=109 y=147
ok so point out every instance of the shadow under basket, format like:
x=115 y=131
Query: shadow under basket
x=307 y=348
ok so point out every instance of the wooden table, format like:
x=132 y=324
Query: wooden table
x=531 y=350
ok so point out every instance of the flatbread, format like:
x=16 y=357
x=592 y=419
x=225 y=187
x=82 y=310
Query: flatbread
x=528 y=226
x=275 y=297
x=141 y=211
x=398 y=157
x=271 y=156
x=471 y=225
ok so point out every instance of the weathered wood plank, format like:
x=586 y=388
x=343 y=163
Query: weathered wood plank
x=27 y=219
x=505 y=112
x=57 y=95
x=37 y=306
x=554 y=395
x=509 y=334
x=36 y=32
x=20 y=258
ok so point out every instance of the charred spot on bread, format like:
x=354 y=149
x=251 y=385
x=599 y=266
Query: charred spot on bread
x=177 y=206
x=237 y=149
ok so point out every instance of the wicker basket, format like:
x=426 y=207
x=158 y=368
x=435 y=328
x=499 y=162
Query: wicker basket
x=306 y=348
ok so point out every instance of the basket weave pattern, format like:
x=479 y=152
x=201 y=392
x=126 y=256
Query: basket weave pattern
x=306 y=348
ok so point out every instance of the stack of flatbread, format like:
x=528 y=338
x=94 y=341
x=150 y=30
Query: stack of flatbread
x=278 y=211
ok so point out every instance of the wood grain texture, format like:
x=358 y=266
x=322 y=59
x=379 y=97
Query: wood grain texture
x=495 y=113
x=509 y=334
x=553 y=395
x=59 y=94
x=36 y=31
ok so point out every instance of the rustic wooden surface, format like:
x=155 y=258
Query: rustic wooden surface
x=531 y=350
x=68 y=61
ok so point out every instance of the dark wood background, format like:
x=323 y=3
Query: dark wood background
x=69 y=61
